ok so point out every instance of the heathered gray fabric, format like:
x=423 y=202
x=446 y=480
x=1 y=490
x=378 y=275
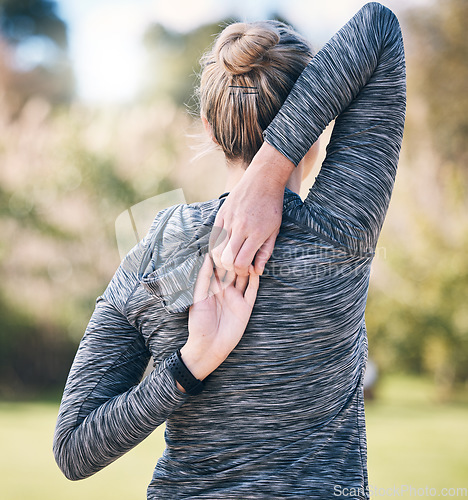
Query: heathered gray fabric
x=283 y=416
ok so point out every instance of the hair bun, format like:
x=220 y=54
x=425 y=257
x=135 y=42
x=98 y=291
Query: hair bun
x=242 y=47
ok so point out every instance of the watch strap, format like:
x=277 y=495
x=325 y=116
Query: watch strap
x=183 y=375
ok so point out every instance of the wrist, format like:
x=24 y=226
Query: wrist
x=198 y=361
x=274 y=168
x=184 y=378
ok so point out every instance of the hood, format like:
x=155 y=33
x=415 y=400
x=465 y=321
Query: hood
x=175 y=255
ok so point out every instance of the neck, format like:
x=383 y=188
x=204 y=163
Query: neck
x=236 y=169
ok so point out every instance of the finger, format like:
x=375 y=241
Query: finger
x=231 y=250
x=202 y=284
x=217 y=244
x=252 y=270
x=214 y=288
x=224 y=278
x=241 y=283
x=216 y=230
x=216 y=285
x=229 y=279
x=250 y=294
x=246 y=256
x=219 y=219
x=220 y=273
x=264 y=253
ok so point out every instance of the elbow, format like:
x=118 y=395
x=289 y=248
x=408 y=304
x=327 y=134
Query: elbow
x=382 y=11
x=68 y=461
x=71 y=474
x=68 y=467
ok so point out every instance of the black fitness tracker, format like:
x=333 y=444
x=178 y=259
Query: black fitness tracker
x=182 y=374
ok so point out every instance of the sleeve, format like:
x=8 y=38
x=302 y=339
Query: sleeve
x=107 y=408
x=358 y=77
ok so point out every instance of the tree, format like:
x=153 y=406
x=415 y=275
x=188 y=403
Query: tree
x=33 y=41
x=440 y=60
x=173 y=60
x=417 y=319
x=22 y=19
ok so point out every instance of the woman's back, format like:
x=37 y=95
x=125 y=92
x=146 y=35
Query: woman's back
x=293 y=381
x=283 y=415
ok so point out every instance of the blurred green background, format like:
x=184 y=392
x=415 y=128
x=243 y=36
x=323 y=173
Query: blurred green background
x=71 y=161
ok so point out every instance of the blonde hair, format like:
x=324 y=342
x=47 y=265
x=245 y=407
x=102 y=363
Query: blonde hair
x=245 y=79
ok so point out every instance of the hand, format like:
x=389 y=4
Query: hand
x=218 y=317
x=249 y=220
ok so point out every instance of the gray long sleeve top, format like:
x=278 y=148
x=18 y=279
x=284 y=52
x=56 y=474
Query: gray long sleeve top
x=283 y=416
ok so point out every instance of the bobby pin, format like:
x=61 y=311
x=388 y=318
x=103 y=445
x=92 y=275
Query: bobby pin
x=242 y=87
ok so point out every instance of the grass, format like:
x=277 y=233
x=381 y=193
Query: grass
x=28 y=470
x=413 y=442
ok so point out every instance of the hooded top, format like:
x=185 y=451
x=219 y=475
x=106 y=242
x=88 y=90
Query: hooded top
x=283 y=416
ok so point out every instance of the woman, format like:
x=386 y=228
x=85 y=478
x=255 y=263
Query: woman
x=280 y=411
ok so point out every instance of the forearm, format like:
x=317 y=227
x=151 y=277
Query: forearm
x=271 y=166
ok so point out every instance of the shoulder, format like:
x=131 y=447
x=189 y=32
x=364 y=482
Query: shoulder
x=176 y=235
x=176 y=247
x=175 y=227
